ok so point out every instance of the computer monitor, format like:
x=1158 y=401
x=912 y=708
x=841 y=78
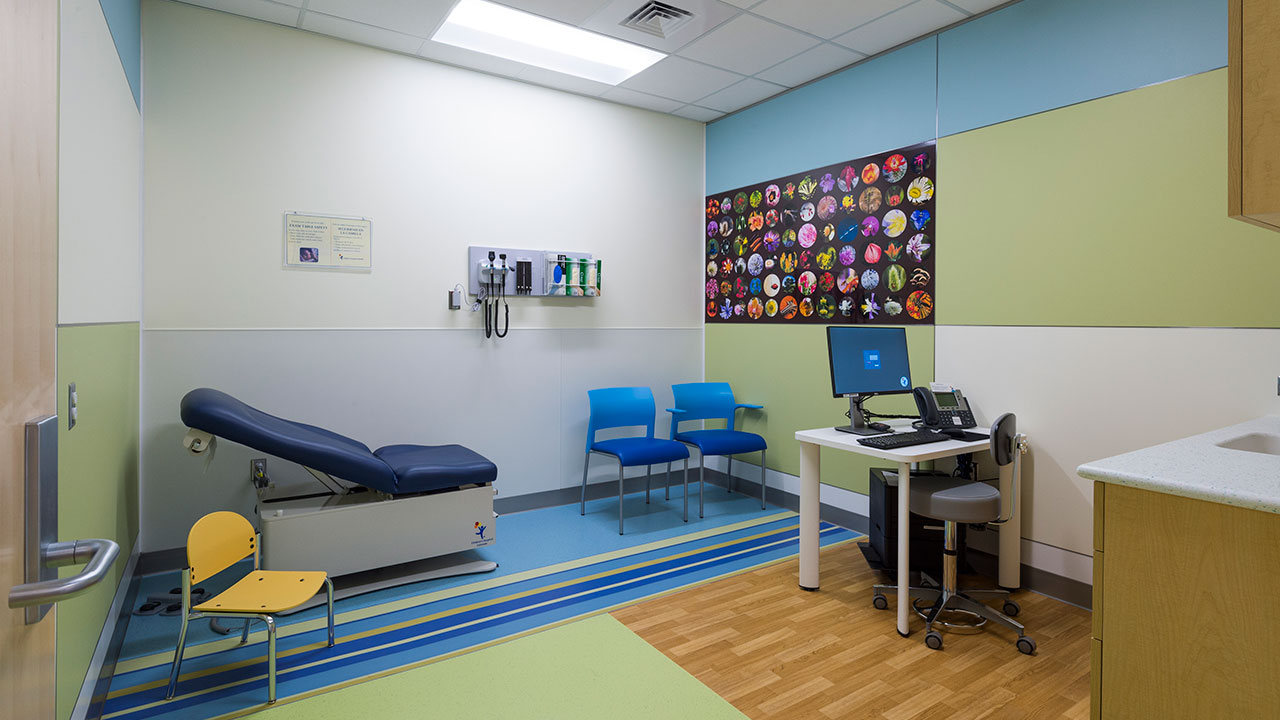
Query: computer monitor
x=867 y=361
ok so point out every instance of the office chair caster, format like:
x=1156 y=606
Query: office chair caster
x=1012 y=608
x=1026 y=645
x=880 y=602
x=933 y=639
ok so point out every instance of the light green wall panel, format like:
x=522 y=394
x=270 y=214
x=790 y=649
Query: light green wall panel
x=97 y=478
x=785 y=369
x=1107 y=213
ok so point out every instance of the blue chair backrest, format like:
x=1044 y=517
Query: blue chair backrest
x=704 y=401
x=620 y=407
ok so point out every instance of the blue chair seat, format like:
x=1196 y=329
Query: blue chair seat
x=722 y=442
x=422 y=468
x=641 y=450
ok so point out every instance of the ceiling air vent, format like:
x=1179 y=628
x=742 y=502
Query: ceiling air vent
x=657 y=18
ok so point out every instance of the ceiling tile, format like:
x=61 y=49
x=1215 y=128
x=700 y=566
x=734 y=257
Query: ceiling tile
x=572 y=12
x=977 y=6
x=357 y=32
x=259 y=9
x=826 y=18
x=741 y=95
x=701 y=114
x=680 y=79
x=747 y=44
x=915 y=20
x=471 y=59
x=560 y=81
x=638 y=99
x=411 y=17
x=743 y=3
x=810 y=64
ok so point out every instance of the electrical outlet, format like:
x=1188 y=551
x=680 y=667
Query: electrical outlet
x=73 y=401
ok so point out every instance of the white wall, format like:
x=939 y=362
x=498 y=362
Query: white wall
x=247 y=120
x=1085 y=393
x=99 y=166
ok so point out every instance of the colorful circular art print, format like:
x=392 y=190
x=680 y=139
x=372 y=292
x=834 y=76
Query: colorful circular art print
x=713 y=208
x=895 y=168
x=771 y=195
x=771 y=241
x=712 y=287
x=896 y=278
x=918 y=246
x=726 y=309
x=756 y=197
x=807 y=211
x=826 y=281
x=740 y=203
x=919 y=305
x=711 y=309
x=826 y=258
x=920 y=219
x=920 y=191
x=788 y=237
x=826 y=307
x=713 y=227
x=789 y=284
x=870 y=173
x=755 y=308
x=787 y=262
x=755 y=220
x=739 y=288
x=872 y=254
x=770 y=307
x=808 y=282
x=739 y=309
x=846 y=306
x=869 y=201
x=827 y=183
x=740 y=266
x=771 y=285
x=870 y=279
x=726 y=206
x=740 y=246
x=711 y=269
x=726 y=267
x=895 y=223
x=870 y=226
x=829 y=232
x=726 y=227
x=892 y=307
x=807 y=187
x=894 y=195
x=755 y=265
x=848 y=280
x=848 y=230
x=771 y=218
x=790 y=217
x=848 y=255
x=806 y=307
x=848 y=179
x=713 y=249
x=788 y=307
x=921 y=162
x=827 y=207
x=806 y=259
x=808 y=235
x=725 y=287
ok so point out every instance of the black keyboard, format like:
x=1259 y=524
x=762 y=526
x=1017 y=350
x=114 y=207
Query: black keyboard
x=901 y=440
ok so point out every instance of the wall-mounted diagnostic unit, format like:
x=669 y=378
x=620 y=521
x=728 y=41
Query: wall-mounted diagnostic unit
x=538 y=273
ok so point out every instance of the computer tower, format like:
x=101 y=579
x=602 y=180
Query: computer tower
x=881 y=546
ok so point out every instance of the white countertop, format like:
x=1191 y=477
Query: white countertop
x=1196 y=467
x=830 y=437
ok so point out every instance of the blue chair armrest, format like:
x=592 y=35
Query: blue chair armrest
x=675 y=410
x=748 y=406
x=675 y=413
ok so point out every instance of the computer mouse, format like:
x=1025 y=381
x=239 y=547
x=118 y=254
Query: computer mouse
x=882 y=427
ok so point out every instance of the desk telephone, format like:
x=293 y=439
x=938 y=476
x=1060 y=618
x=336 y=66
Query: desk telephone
x=943 y=407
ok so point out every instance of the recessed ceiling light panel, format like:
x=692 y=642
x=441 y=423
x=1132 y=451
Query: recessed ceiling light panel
x=507 y=33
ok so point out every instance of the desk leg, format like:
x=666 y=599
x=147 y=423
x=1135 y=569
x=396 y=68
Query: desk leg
x=810 y=472
x=904 y=554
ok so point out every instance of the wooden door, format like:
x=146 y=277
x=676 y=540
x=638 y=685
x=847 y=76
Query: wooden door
x=28 y=314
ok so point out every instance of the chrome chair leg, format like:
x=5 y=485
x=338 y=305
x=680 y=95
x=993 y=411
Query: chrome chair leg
x=244 y=635
x=585 y=463
x=762 y=486
x=621 y=468
x=648 y=475
x=177 y=659
x=686 y=489
x=329 y=596
x=271 y=658
x=702 y=480
x=728 y=482
x=666 y=484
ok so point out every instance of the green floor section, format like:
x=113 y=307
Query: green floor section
x=591 y=669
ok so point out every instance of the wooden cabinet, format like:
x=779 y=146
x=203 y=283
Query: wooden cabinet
x=1253 y=116
x=1184 y=608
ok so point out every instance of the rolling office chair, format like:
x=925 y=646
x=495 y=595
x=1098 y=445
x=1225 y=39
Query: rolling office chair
x=216 y=542
x=714 y=401
x=626 y=407
x=960 y=500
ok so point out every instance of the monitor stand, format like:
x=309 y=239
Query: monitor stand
x=857 y=426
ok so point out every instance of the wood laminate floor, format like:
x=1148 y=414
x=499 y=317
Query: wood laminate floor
x=776 y=651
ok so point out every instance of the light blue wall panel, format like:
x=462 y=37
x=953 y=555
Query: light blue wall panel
x=124 y=18
x=879 y=105
x=1039 y=55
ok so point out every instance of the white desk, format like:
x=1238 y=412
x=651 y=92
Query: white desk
x=810 y=466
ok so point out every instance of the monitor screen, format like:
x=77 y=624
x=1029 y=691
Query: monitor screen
x=868 y=360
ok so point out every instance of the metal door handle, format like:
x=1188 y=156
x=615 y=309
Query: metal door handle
x=98 y=554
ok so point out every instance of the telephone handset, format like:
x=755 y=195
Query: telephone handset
x=942 y=406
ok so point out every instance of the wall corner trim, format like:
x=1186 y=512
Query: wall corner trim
x=97 y=678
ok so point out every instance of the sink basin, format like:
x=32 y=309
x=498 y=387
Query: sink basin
x=1254 y=442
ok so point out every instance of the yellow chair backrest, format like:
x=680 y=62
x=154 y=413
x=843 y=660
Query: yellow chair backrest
x=216 y=542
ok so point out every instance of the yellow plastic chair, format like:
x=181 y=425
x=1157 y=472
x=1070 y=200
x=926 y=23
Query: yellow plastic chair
x=216 y=542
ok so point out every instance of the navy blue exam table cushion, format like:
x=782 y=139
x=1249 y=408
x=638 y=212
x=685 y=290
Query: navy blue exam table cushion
x=395 y=469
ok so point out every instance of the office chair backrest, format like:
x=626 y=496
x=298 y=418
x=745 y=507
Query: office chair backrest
x=619 y=407
x=704 y=401
x=216 y=542
x=1003 y=431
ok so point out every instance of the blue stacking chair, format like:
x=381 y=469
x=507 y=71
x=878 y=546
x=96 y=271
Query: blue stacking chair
x=714 y=401
x=629 y=407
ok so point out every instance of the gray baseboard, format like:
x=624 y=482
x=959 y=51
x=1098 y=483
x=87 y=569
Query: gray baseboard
x=1035 y=579
x=102 y=667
